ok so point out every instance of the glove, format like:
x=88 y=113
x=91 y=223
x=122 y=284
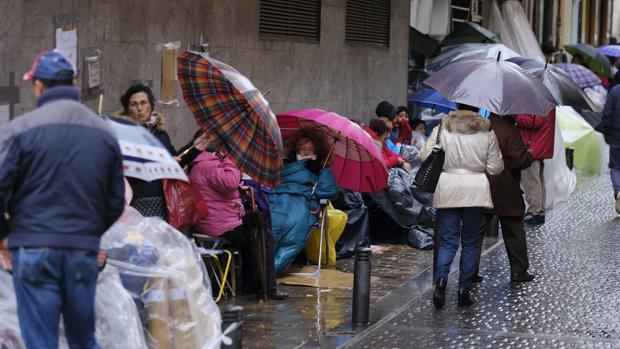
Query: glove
x=314 y=166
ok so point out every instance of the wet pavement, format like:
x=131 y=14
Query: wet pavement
x=573 y=303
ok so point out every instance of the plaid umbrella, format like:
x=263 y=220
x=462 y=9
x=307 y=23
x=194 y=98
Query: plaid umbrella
x=581 y=75
x=228 y=106
x=357 y=163
x=596 y=61
x=610 y=50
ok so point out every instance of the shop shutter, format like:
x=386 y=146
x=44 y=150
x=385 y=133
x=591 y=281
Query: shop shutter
x=368 y=21
x=291 y=19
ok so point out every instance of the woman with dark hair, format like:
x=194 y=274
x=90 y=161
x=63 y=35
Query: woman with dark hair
x=381 y=133
x=294 y=203
x=138 y=104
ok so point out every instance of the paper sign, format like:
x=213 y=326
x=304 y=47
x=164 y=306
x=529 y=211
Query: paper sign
x=4 y=115
x=66 y=43
x=94 y=73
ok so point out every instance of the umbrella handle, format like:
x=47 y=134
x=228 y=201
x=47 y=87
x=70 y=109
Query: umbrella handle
x=331 y=150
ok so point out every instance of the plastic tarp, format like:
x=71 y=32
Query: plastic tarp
x=356 y=232
x=165 y=275
x=590 y=148
x=336 y=222
x=514 y=29
x=560 y=181
x=117 y=324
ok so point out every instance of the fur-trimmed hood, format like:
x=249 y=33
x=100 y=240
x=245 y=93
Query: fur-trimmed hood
x=159 y=125
x=466 y=122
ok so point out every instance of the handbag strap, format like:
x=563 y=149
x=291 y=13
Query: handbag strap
x=439 y=132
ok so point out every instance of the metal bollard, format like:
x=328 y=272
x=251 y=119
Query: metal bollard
x=230 y=315
x=570 y=153
x=361 y=285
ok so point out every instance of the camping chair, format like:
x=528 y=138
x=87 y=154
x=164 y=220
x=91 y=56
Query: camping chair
x=219 y=257
x=324 y=231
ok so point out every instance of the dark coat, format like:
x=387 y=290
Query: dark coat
x=505 y=188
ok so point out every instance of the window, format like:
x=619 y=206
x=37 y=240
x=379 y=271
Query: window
x=299 y=19
x=368 y=21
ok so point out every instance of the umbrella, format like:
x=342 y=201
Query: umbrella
x=498 y=86
x=421 y=43
x=455 y=53
x=563 y=89
x=595 y=60
x=610 y=50
x=144 y=157
x=434 y=100
x=581 y=75
x=527 y=63
x=469 y=32
x=227 y=106
x=357 y=163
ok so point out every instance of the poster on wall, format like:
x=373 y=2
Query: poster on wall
x=66 y=43
x=5 y=115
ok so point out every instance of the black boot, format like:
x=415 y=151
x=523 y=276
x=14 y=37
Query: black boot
x=439 y=297
x=464 y=298
x=276 y=295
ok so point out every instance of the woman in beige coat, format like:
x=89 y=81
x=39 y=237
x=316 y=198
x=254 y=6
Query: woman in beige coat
x=462 y=193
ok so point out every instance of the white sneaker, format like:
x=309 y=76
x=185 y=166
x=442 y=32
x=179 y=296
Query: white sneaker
x=618 y=203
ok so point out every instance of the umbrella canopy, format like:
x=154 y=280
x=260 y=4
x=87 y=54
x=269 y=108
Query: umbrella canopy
x=581 y=136
x=455 y=53
x=595 y=60
x=357 y=163
x=228 y=106
x=421 y=43
x=527 y=63
x=610 y=50
x=563 y=89
x=144 y=157
x=500 y=87
x=581 y=75
x=469 y=32
x=434 y=100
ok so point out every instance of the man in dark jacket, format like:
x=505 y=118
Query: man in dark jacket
x=507 y=197
x=61 y=188
x=610 y=127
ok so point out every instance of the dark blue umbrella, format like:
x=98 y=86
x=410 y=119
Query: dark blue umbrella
x=434 y=100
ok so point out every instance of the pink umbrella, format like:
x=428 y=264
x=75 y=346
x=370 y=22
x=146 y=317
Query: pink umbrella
x=357 y=163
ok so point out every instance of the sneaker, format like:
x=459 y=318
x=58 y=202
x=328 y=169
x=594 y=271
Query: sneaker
x=534 y=219
x=618 y=203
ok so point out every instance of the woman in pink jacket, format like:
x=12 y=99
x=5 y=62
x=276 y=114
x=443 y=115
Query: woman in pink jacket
x=218 y=180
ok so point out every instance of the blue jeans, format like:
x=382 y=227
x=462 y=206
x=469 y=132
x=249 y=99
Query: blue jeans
x=614 y=166
x=458 y=224
x=49 y=282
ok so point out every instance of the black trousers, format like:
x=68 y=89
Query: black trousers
x=247 y=243
x=513 y=232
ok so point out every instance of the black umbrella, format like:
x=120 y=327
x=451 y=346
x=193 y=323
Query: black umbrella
x=421 y=43
x=470 y=32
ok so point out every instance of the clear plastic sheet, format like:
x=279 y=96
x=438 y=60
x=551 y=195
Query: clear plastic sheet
x=117 y=324
x=560 y=182
x=165 y=276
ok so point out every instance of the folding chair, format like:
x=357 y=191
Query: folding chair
x=215 y=248
x=324 y=231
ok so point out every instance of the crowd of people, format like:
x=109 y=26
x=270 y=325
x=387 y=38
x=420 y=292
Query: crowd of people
x=57 y=201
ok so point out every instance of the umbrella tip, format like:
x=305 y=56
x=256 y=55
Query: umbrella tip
x=499 y=54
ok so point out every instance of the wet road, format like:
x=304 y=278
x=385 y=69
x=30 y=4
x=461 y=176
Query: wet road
x=573 y=303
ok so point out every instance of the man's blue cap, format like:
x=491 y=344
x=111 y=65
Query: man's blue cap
x=50 y=65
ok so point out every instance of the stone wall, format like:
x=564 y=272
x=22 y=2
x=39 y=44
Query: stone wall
x=330 y=74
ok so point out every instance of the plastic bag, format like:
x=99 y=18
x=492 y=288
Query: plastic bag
x=10 y=335
x=357 y=231
x=421 y=238
x=184 y=203
x=336 y=221
x=397 y=200
x=165 y=275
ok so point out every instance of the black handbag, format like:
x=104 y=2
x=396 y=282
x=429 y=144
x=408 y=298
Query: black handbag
x=430 y=170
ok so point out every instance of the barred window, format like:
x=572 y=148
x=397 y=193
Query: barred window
x=300 y=19
x=368 y=21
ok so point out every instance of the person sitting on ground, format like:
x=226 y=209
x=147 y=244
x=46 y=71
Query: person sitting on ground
x=218 y=181
x=418 y=135
x=148 y=197
x=387 y=111
x=381 y=133
x=401 y=121
x=294 y=203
